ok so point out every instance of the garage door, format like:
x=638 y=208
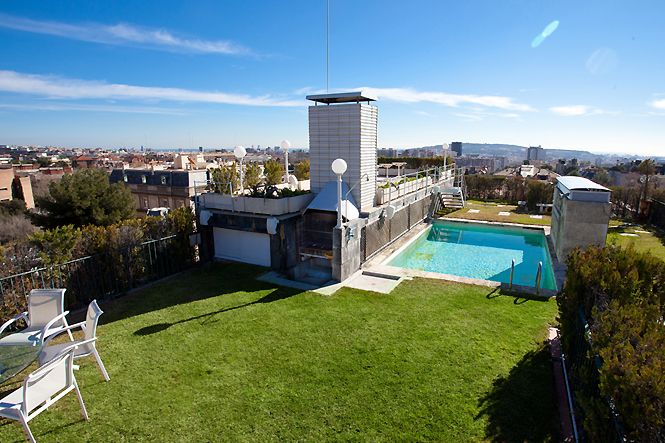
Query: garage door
x=246 y=247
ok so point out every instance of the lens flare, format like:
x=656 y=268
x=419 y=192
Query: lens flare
x=549 y=29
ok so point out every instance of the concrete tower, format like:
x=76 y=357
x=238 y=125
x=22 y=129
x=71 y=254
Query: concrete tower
x=344 y=126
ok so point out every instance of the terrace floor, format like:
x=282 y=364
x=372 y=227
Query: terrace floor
x=215 y=355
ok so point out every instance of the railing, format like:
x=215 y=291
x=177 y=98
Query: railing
x=394 y=187
x=539 y=276
x=101 y=275
x=512 y=273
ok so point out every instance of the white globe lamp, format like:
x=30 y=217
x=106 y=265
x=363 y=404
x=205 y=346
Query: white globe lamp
x=339 y=168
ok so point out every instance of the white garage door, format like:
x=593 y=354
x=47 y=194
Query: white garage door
x=246 y=247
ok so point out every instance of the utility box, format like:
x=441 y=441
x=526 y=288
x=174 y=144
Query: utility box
x=580 y=215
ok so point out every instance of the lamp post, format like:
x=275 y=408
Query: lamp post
x=285 y=146
x=240 y=154
x=339 y=168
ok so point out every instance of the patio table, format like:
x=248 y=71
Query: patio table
x=15 y=356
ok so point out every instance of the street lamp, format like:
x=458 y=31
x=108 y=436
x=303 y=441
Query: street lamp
x=285 y=146
x=240 y=154
x=339 y=168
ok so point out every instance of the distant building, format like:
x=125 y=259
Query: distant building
x=387 y=152
x=478 y=163
x=14 y=187
x=456 y=147
x=170 y=188
x=535 y=153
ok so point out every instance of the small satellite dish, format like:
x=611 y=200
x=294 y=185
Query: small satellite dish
x=271 y=225
x=390 y=211
x=293 y=182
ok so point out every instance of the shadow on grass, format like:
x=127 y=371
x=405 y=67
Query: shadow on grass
x=519 y=297
x=521 y=406
x=278 y=294
x=212 y=280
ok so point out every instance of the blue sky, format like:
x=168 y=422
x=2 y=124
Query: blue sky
x=184 y=74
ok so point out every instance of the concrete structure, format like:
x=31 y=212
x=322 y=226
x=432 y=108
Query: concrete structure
x=456 y=147
x=6 y=180
x=169 y=188
x=535 y=153
x=344 y=127
x=580 y=215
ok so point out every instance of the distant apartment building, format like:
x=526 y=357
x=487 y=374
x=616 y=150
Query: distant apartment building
x=456 y=147
x=169 y=188
x=15 y=187
x=535 y=153
x=478 y=163
x=387 y=152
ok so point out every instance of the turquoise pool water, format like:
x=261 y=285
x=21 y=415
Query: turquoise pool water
x=480 y=251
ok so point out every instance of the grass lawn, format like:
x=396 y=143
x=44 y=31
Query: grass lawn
x=642 y=238
x=214 y=355
x=490 y=212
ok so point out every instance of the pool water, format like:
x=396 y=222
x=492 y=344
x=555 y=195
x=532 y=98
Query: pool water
x=480 y=251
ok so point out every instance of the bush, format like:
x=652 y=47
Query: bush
x=301 y=170
x=620 y=293
x=418 y=162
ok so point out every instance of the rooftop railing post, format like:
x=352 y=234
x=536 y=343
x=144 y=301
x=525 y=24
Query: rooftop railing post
x=539 y=276
x=512 y=273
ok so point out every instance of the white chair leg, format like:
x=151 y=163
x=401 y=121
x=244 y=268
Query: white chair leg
x=26 y=430
x=101 y=365
x=71 y=337
x=84 y=411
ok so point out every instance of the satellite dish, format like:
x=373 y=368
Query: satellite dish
x=293 y=181
x=271 y=225
x=390 y=212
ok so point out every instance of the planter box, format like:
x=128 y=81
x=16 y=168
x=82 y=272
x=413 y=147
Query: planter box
x=267 y=206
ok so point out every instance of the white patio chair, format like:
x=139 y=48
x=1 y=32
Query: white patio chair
x=83 y=348
x=46 y=310
x=40 y=390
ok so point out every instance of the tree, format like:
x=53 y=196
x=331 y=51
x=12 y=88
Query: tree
x=252 y=177
x=647 y=168
x=538 y=192
x=83 y=198
x=56 y=245
x=301 y=169
x=273 y=171
x=226 y=179
x=602 y=177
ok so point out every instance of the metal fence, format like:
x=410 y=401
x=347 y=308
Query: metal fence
x=103 y=275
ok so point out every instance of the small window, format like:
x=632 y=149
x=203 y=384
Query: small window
x=163 y=179
x=124 y=178
x=143 y=179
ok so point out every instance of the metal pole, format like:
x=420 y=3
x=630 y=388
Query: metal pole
x=242 y=189
x=339 y=201
x=286 y=164
x=539 y=276
x=512 y=273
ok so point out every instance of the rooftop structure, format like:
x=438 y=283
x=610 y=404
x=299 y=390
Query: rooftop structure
x=342 y=97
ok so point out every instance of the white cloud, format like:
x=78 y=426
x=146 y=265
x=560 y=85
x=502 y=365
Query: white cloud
x=658 y=104
x=407 y=95
x=576 y=110
x=122 y=34
x=91 y=108
x=64 y=88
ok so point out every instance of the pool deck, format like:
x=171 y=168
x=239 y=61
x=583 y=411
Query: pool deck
x=378 y=263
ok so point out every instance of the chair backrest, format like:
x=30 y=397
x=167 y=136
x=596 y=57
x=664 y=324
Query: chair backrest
x=44 y=305
x=91 y=320
x=48 y=381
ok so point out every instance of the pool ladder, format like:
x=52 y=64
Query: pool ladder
x=539 y=275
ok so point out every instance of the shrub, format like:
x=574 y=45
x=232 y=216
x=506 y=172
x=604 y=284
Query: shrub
x=621 y=294
x=301 y=169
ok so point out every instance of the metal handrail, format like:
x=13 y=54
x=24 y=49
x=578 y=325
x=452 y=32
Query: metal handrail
x=539 y=276
x=512 y=273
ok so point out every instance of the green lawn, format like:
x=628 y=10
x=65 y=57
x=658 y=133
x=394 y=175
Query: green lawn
x=490 y=212
x=214 y=355
x=642 y=238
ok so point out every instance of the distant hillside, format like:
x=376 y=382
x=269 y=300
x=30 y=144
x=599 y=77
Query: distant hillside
x=520 y=151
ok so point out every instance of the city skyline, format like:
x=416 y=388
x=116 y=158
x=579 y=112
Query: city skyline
x=182 y=75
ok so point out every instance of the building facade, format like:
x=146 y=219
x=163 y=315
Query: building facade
x=535 y=153
x=456 y=147
x=170 y=188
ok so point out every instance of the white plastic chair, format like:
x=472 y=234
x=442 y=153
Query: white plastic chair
x=40 y=390
x=46 y=313
x=82 y=348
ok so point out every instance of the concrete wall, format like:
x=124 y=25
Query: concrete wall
x=578 y=224
x=346 y=250
x=6 y=179
x=347 y=131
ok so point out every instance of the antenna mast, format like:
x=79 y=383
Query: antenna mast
x=327 y=46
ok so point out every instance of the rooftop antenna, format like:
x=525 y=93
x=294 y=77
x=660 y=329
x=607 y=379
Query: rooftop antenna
x=327 y=46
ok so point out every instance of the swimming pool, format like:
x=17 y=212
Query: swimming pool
x=481 y=251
